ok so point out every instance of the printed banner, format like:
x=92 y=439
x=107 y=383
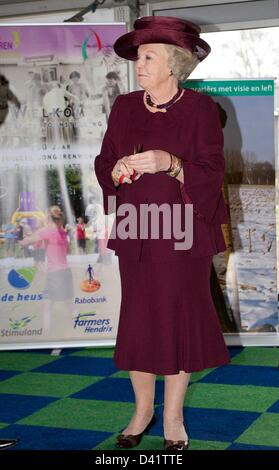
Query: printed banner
x=243 y=281
x=59 y=282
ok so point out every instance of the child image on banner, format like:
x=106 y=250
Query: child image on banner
x=110 y=91
x=6 y=96
x=58 y=122
x=81 y=236
x=9 y=236
x=36 y=89
x=59 y=279
x=39 y=252
x=93 y=212
x=78 y=90
x=99 y=229
x=19 y=223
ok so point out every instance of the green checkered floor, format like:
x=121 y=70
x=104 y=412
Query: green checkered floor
x=79 y=400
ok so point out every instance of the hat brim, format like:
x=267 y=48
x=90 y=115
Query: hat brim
x=126 y=46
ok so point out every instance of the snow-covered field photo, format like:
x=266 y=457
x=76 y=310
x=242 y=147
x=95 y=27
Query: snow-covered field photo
x=250 y=282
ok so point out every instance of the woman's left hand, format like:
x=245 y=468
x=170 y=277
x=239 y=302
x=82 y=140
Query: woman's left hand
x=151 y=161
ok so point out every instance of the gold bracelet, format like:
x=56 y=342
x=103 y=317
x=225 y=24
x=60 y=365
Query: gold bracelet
x=176 y=166
x=171 y=164
x=169 y=168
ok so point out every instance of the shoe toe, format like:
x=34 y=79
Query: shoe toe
x=130 y=440
x=175 y=445
x=127 y=441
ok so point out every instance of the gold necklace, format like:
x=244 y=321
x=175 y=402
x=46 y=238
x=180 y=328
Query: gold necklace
x=161 y=110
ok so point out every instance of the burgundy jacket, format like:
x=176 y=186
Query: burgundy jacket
x=190 y=129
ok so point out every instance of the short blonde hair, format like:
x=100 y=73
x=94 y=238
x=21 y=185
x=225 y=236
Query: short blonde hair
x=55 y=213
x=181 y=61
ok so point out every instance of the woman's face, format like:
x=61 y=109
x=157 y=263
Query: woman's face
x=151 y=65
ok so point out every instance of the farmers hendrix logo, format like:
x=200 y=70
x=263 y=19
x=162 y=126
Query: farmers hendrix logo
x=90 y=324
x=10 y=44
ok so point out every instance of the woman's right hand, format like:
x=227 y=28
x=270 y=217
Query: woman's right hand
x=123 y=168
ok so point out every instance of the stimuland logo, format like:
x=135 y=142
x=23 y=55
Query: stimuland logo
x=18 y=327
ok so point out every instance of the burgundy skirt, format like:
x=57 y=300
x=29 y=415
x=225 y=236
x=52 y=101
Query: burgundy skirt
x=168 y=321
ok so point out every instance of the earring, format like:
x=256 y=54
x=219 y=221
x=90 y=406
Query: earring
x=171 y=73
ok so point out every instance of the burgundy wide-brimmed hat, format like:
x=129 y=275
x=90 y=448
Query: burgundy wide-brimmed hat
x=162 y=29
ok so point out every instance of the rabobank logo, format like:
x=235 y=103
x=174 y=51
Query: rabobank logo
x=21 y=327
x=21 y=278
x=89 y=323
x=90 y=283
x=10 y=43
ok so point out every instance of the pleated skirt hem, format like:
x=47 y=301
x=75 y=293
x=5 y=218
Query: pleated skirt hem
x=157 y=371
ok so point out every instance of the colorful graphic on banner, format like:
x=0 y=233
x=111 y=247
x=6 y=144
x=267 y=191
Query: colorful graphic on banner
x=243 y=279
x=59 y=282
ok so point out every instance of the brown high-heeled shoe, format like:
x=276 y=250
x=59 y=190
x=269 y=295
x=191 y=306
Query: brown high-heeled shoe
x=175 y=445
x=127 y=441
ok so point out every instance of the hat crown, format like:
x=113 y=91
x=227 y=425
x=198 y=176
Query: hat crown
x=162 y=29
x=167 y=22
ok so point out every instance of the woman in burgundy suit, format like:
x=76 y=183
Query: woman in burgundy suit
x=163 y=151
